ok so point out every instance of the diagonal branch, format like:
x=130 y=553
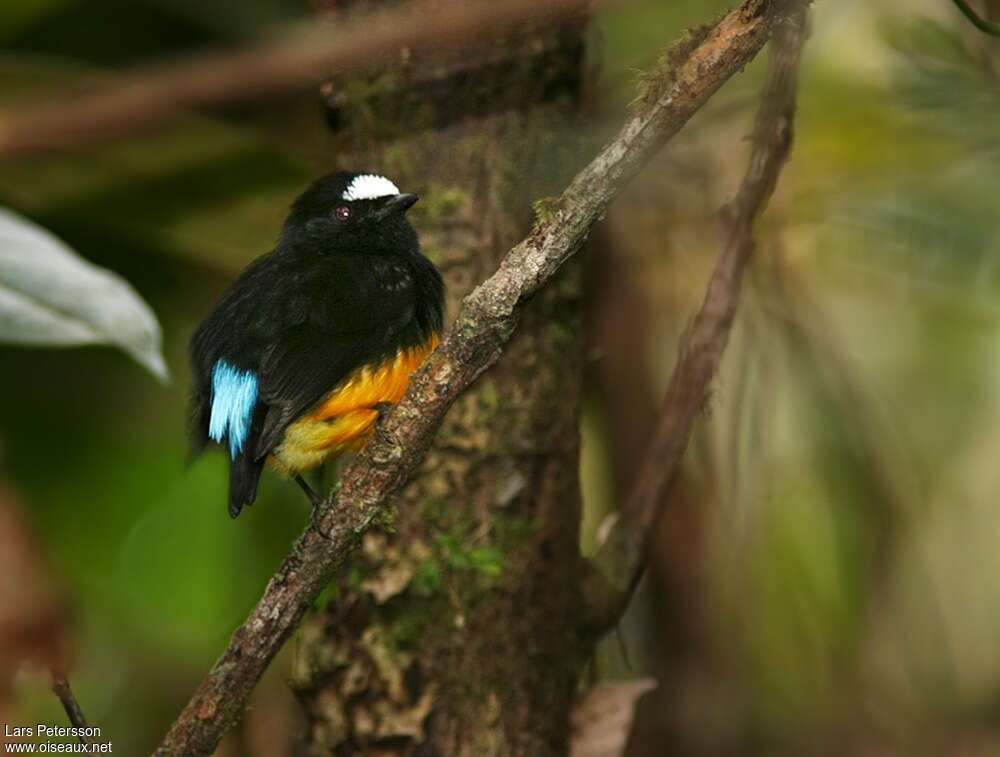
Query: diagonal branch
x=297 y=58
x=474 y=342
x=621 y=559
x=61 y=688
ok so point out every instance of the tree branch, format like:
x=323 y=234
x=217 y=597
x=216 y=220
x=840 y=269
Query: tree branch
x=987 y=27
x=473 y=343
x=621 y=558
x=61 y=688
x=298 y=58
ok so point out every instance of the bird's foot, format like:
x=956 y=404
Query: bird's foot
x=383 y=409
x=315 y=514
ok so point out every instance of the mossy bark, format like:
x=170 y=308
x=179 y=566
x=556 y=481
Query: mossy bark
x=453 y=630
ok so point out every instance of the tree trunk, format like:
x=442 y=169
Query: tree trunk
x=453 y=631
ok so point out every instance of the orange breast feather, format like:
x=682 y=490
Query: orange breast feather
x=346 y=416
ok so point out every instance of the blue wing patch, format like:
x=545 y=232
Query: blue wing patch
x=234 y=393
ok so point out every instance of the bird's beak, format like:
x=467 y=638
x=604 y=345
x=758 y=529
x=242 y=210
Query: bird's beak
x=397 y=204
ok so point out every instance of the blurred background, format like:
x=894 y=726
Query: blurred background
x=825 y=578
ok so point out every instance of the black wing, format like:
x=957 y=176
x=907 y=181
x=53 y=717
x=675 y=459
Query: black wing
x=237 y=330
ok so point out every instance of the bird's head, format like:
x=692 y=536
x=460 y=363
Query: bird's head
x=351 y=212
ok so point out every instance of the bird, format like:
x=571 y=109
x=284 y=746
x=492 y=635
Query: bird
x=312 y=341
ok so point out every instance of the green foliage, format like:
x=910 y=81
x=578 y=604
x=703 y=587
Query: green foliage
x=934 y=216
x=952 y=85
x=485 y=561
x=428 y=579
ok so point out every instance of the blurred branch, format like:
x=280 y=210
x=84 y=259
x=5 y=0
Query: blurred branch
x=988 y=27
x=296 y=59
x=60 y=686
x=618 y=326
x=474 y=342
x=626 y=536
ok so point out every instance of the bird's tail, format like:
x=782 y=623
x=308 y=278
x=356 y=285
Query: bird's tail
x=244 y=474
x=245 y=468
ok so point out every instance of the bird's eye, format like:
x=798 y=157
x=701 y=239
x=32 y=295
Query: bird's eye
x=342 y=212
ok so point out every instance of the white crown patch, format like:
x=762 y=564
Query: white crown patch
x=369 y=186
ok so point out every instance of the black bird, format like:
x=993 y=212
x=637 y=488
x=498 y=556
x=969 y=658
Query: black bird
x=294 y=362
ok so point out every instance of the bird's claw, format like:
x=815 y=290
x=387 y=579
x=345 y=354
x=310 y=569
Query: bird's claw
x=315 y=516
x=317 y=502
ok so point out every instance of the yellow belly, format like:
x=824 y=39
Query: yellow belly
x=345 y=418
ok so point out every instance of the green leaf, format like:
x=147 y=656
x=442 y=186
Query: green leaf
x=51 y=296
x=487 y=561
x=428 y=577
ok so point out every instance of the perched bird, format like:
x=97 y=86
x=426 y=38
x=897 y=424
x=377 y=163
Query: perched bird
x=308 y=344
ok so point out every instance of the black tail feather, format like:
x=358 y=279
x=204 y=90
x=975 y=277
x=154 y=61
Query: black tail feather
x=244 y=469
x=244 y=474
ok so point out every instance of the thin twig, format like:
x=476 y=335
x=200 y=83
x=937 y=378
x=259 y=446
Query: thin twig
x=626 y=539
x=474 y=342
x=300 y=57
x=60 y=685
x=988 y=27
